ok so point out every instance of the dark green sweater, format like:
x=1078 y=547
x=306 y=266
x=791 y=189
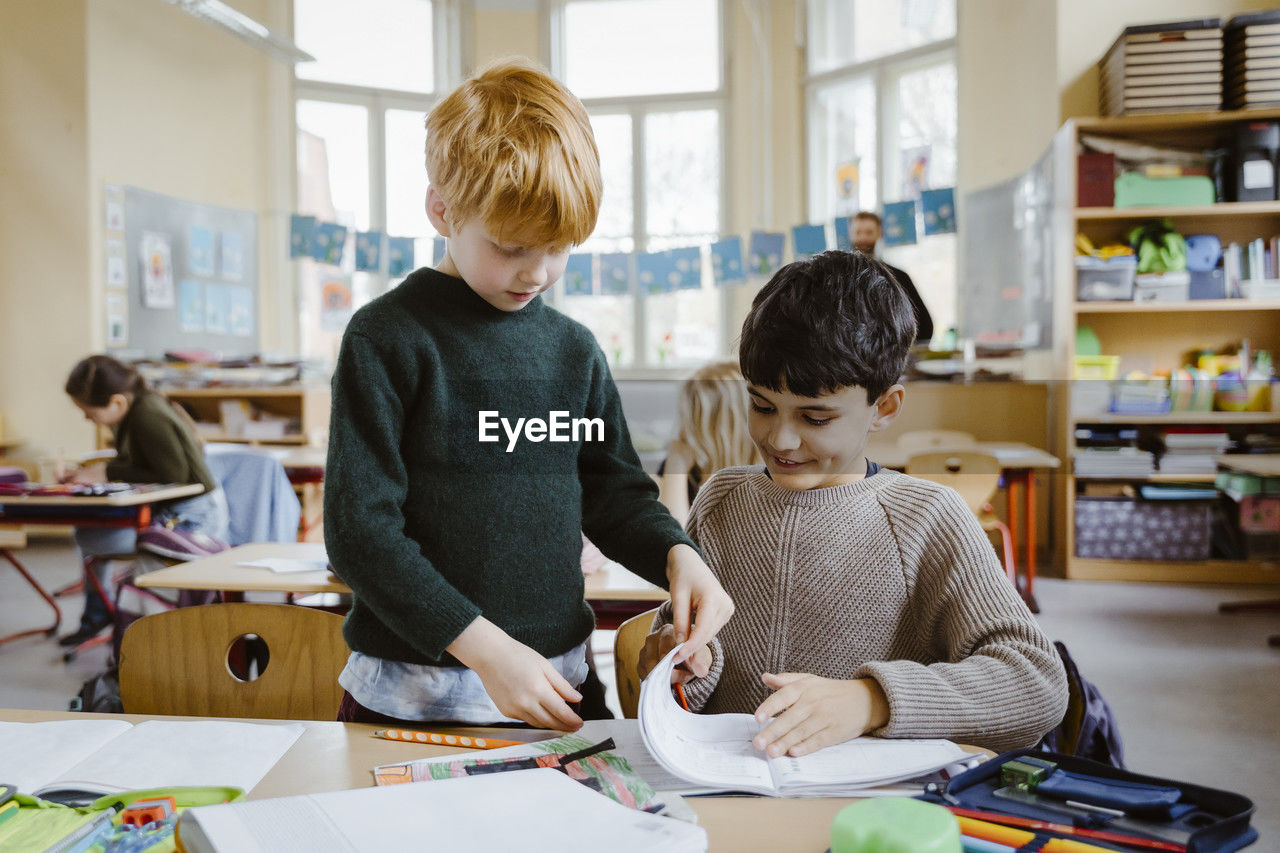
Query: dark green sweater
x=432 y=528
x=153 y=445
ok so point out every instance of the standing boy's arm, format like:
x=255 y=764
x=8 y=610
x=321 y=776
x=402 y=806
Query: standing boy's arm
x=621 y=513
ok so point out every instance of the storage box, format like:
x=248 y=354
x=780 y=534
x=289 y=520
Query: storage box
x=1137 y=190
x=1131 y=529
x=1099 y=280
x=1162 y=287
x=1262 y=289
x=1097 y=367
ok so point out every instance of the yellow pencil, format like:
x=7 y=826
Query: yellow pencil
x=438 y=739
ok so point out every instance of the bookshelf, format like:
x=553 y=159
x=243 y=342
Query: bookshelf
x=305 y=406
x=1152 y=336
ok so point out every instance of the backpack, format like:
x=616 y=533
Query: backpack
x=1088 y=729
x=100 y=694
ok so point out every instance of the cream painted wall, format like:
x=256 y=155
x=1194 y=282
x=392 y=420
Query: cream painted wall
x=507 y=32
x=1086 y=28
x=44 y=221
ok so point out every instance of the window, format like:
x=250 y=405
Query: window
x=881 y=94
x=360 y=114
x=660 y=130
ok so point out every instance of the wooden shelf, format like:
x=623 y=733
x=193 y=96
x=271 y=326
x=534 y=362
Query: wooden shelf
x=1153 y=478
x=1169 y=121
x=243 y=391
x=233 y=439
x=1224 y=418
x=1224 y=208
x=1163 y=571
x=1128 y=306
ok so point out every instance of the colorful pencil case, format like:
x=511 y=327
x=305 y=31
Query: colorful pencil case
x=1174 y=813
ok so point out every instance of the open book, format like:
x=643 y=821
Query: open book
x=98 y=757
x=715 y=750
x=539 y=809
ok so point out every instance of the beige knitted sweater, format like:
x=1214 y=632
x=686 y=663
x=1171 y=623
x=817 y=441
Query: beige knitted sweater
x=889 y=577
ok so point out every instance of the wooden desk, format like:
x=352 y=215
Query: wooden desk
x=124 y=509
x=1018 y=463
x=340 y=756
x=1259 y=465
x=612 y=590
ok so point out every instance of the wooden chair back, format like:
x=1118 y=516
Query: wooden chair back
x=932 y=439
x=973 y=473
x=177 y=663
x=626 y=658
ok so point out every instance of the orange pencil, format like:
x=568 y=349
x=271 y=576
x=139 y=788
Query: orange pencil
x=437 y=739
x=994 y=832
x=679 y=689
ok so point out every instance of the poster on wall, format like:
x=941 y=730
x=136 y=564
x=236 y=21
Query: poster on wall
x=239 y=311
x=900 y=223
x=843 y=241
x=939 y=208
x=847 y=182
x=200 y=250
x=615 y=274
x=335 y=304
x=726 y=261
x=915 y=171
x=369 y=250
x=808 y=240
x=157 y=270
x=577 y=276
x=766 y=252
x=231 y=255
x=113 y=195
x=117 y=267
x=657 y=271
x=217 y=305
x=190 y=306
x=117 y=320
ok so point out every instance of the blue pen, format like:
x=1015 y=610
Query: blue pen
x=981 y=845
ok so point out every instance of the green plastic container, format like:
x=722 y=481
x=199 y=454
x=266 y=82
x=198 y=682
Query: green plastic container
x=1136 y=190
x=894 y=825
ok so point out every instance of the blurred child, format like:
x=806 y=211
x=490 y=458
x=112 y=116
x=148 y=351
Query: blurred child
x=154 y=444
x=712 y=434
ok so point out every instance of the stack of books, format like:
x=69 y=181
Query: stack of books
x=1157 y=68
x=1253 y=61
x=1113 y=462
x=1187 y=453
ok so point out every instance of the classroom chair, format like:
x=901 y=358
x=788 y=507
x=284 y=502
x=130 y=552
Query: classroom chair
x=932 y=439
x=15 y=538
x=179 y=662
x=976 y=476
x=626 y=657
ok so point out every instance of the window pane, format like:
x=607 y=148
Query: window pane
x=842 y=32
x=333 y=162
x=406 y=174
x=931 y=263
x=614 y=229
x=385 y=44
x=641 y=47
x=610 y=319
x=682 y=173
x=842 y=149
x=923 y=154
x=682 y=328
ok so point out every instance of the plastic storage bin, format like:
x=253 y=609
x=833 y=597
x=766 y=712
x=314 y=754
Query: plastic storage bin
x=1099 y=280
x=1164 y=287
x=1129 y=529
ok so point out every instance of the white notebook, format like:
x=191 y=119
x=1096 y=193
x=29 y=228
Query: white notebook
x=106 y=756
x=539 y=809
x=715 y=750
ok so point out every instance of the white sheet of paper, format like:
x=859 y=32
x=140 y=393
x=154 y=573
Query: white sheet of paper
x=285 y=564
x=34 y=754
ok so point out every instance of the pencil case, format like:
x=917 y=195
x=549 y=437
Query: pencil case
x=1198 y=818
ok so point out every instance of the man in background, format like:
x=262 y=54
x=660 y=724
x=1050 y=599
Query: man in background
x=865 y=231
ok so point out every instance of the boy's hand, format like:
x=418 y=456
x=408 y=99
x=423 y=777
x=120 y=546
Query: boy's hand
x=521 y=682
x=697 y=601
x=95 y=473
x=663 y=640
x=815 y=712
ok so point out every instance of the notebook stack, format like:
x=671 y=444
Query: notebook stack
x=1253 y=61
x=1159 y=68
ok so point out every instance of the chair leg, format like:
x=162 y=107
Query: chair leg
x=57 y=614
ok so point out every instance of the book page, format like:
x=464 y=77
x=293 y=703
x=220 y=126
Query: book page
x=170 y=753
x=865 y=761
x=713 y=750
x=33 y=754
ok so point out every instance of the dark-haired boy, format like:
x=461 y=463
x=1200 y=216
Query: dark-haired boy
x=867 y=600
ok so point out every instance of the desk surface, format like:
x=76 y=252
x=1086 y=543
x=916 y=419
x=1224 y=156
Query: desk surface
x=340 y=756
x=1258 y=464
x=221 y=572
x=133 y=497
x=1010 y=454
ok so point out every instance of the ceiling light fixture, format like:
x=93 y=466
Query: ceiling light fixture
x=243 y=27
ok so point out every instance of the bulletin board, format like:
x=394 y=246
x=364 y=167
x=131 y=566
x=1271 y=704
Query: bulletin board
x=190 y=277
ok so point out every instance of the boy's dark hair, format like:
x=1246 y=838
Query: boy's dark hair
x=835 y=320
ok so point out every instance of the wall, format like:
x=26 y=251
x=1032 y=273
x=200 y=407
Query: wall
x=1086 y=28
x=44 y=219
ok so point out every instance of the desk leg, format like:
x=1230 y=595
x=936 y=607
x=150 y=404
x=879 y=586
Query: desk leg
x=1013 y=510
x=57 y=614
x=1029 y=594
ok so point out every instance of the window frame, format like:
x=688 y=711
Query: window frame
x=450 y=35
x=637 y=107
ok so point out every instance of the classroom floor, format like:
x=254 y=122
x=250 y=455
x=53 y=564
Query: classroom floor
x=1196 y=694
